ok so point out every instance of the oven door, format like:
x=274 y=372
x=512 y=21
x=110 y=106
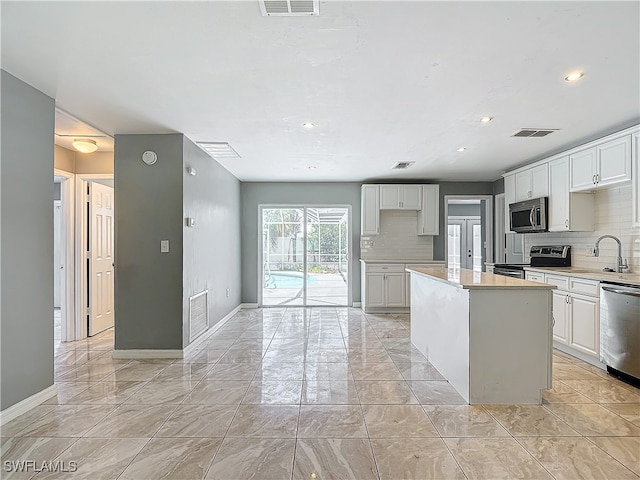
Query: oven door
x=508 y=272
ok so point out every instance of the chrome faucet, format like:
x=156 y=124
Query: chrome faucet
x=596 y=252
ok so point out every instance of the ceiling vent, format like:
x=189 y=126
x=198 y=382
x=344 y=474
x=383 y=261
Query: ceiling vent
x=535 y=132
x=289 y=8
x=402 y=165
x=218 y=149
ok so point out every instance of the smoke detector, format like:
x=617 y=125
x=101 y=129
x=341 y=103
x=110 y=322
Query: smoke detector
x=402 y=165
x=534 y=132
x=289 y=8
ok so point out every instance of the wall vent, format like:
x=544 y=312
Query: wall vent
x=289 y=8
x=534 y=132
x=198 y=314
x=402 y=165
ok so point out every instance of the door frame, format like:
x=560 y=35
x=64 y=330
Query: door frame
x=260 y=279
x=68 y=254
x=82 y=180
x=488 y=214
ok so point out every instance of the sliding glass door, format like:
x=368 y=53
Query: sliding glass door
x=305 y=256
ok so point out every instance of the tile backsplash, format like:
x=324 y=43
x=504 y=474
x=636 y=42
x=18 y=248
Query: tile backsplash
x=613 y=216
x=398 y=239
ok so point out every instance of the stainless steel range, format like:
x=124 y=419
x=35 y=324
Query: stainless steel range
x=541 y=256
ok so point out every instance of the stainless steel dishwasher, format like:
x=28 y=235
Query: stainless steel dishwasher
x=620 y=330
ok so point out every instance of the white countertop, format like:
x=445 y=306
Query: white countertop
x=468 y=279
x=590 y=274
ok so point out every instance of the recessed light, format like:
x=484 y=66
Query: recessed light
x=486 y=119
x=461 y=149
x=308 y=125
x=573 y=76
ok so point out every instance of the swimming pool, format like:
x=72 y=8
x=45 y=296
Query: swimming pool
x=286 y=280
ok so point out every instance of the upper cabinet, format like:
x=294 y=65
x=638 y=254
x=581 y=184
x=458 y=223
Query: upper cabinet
x=370 y=209
x=568 y=211
x=429 y=215
x=532 y=183
x=425 y=199
x=602 y=165
x=509 y=198
x=400 y=197
x=635 y=153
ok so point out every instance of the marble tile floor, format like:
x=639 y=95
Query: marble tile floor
x=313 y=393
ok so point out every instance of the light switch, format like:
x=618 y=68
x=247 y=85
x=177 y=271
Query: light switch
x=164 y=246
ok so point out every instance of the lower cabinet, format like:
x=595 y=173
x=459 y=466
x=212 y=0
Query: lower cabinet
x=576 y=313
x=385 y=290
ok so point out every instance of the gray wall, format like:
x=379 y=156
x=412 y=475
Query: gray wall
x=255 y=194
x=148 y=208
x=464 y=210
x=211 y=255
x=27 y=125
x=455 y=188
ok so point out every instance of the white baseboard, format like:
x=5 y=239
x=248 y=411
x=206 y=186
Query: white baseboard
x=207 y=333
x=140 y=354
x=248 y=306
x=22 y=407
x=357 y=304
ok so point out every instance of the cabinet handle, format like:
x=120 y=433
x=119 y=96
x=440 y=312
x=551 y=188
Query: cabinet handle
x=566 y=298
x=566 y=223
x=597 y=178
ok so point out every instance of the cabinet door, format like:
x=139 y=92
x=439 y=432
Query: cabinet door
x=614 y=161
x=395 y=290
x=583 y=170
x=429 y=216
x=411 y=197
x=585 y=325
x=509 y=198
x=370 y=213
x=560 y=317
x=540 y=181
x=635 y=153
x=559 y=195
x=390 y=197
x=375 y=290
x=523 y=186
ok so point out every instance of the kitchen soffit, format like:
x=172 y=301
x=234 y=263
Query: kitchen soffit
x=382 y=81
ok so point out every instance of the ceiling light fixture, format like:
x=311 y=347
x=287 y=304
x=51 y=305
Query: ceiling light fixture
x=84 y=145
x=573 y=76
x=461 y=149
x=486 y=119
x=308 y=125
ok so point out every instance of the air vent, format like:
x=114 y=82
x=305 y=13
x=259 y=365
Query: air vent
x=218 y=149
x=402 y=165
x=289 y=8
x=535 y=132
x=198 y=314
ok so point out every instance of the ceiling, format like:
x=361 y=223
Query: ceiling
x=382 y=81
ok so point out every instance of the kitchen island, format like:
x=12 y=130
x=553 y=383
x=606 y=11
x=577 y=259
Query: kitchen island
x=490 y=336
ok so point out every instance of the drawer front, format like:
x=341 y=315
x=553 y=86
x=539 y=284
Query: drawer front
x=386 y=268
x=561 y=282
x=535 y=277
x=586 y=287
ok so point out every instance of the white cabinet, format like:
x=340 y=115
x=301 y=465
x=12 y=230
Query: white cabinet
x=561 y=317
x=534 y=277
x=585 y=325
x=568 y=211
x=400 y=197
x=370 y=209
x=509 y=198
x=532 y=183
x=602 y=165
x=576 y=312
x=429 y=215
x=635 y=153
x=384 y=286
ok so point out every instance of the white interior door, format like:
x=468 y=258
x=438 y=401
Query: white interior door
x=101 y=258
x=465 y=243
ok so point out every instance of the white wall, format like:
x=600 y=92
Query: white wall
x=613 y=211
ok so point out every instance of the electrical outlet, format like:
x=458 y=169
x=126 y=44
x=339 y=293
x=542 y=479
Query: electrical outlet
x=590 y=252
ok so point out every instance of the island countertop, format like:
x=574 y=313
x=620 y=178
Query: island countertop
x=468 y=279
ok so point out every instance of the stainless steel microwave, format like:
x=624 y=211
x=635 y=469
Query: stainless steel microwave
x=529 y=216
